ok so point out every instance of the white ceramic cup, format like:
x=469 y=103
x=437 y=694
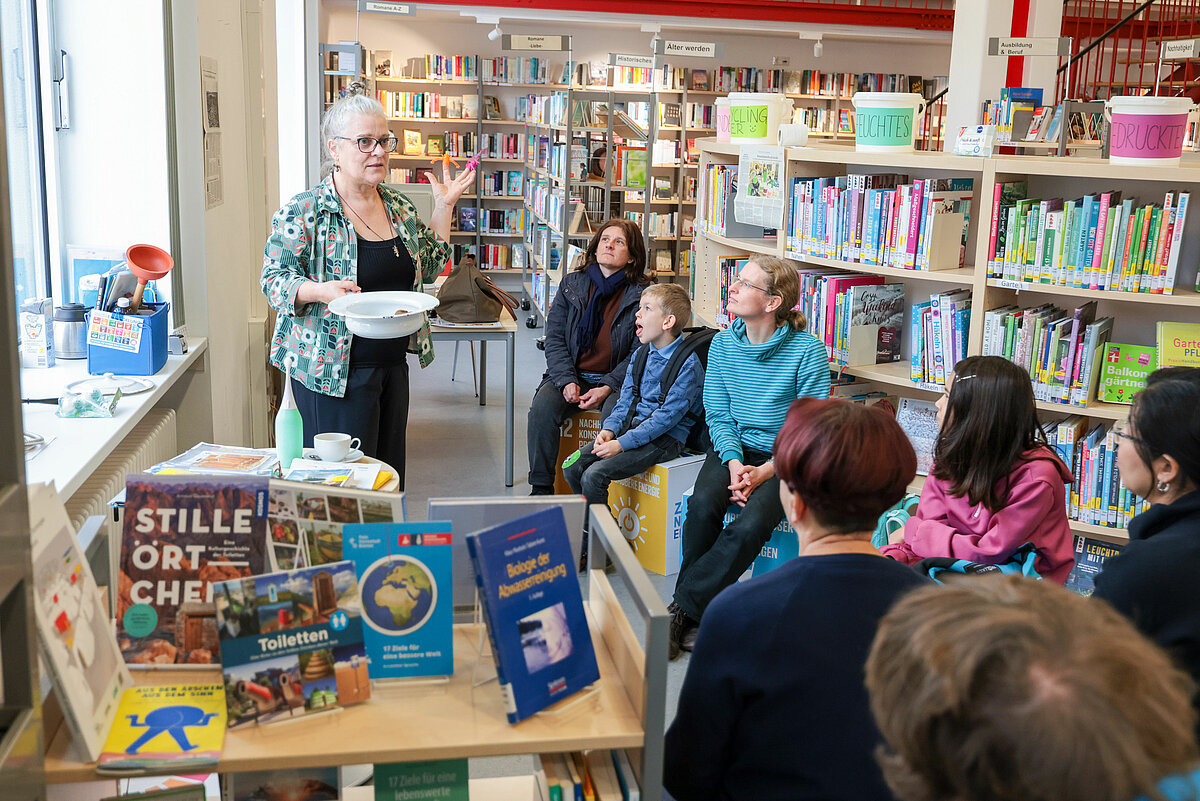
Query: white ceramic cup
x=334 y=447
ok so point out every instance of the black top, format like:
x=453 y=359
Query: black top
x=380 y=270
x=1155 y=580
x=773 y=705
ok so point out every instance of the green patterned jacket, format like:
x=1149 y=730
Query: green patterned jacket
x=312 y=240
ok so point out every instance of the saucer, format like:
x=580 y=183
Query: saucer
x=353 y=456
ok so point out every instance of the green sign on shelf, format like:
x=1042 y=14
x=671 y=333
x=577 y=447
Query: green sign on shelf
x=444 y=779
x=748 y=121
x=884 y=126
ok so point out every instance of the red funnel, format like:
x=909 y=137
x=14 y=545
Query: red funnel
x=148 y=263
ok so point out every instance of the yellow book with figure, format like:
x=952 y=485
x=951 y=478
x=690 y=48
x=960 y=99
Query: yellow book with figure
x=180 y=725
x=412 y=143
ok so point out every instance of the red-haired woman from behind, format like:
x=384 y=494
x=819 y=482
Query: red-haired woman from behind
x=773 y=705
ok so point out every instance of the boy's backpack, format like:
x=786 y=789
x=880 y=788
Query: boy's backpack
x=695 y=340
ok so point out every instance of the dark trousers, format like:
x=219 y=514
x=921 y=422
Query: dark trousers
x=546 y=415
x=714 y=556
x=591 y=475
x=374 y=409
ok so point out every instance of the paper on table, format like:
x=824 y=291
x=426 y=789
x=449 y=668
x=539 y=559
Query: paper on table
x=440 y=323
x=362 y=476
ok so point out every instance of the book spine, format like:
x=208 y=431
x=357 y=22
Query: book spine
x=1172 y=271
x=1096 y=241
x=916 y=342
x=1160 y=249
x=996 y=191
x=505 y=686
x=914 y=225
x=939 y=374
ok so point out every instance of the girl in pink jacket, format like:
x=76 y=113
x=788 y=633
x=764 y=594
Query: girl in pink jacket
x=995 y=483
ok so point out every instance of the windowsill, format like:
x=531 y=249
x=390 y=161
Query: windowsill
x=80 y=445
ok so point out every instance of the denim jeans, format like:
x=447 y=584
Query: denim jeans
x=715 y=556
x=546 y=415
x=591 y=475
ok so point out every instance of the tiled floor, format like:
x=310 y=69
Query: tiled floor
x=456 y=447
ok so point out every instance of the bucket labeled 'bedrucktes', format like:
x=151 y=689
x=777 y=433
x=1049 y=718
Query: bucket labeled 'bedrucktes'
x=886 y=122
x=722 y=112
x=754 y=117
x=1146 y=130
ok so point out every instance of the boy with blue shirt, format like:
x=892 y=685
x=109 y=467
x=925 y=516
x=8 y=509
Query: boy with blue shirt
x=658 y=432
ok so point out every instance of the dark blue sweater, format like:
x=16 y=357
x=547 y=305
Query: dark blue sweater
x=773 y=705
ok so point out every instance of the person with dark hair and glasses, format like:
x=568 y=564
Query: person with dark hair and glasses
x=1155 y=580
x=995 y=484
x=773 y=704
x=350 y=234
x=591 y=329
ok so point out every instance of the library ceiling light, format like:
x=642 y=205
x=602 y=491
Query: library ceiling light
x=818 y=48
x=495 y=33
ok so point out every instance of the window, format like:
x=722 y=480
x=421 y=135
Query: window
x=23 y=129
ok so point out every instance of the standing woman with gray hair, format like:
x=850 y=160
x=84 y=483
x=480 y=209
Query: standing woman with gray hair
x=349 y=234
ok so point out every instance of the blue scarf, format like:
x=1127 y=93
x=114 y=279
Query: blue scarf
x=593 y=313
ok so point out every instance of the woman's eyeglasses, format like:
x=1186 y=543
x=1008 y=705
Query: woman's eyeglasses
x=366 y=144
x=744 y=282
x=1121 y=431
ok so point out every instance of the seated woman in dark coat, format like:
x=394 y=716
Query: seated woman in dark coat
x=1155 y=581
x=773 y=705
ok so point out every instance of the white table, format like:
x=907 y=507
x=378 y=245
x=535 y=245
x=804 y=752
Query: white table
x=508 y=334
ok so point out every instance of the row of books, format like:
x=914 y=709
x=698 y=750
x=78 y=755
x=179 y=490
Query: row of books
x=881 y=220
x=824 y=120
x=663 y=224
x=547 y=201
x=1061 y=350
x=494 y=221
x=938 y=339
x=1099 y=241
x=491 y=257
x=596 y=775
x=456 y=143
x=1097 y=494
x=514 y=69
x=858 y=317
x=665 y=262
x=442 y=68
x=428 y=105
x=502 y=183
x=1014 y=100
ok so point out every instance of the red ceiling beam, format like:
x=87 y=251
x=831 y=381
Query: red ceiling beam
x=816 y=13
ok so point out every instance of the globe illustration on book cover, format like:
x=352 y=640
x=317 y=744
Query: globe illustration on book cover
x=399 y=594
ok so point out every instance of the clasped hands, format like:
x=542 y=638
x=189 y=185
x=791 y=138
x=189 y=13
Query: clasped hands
x=587 y=400
x=744 y=479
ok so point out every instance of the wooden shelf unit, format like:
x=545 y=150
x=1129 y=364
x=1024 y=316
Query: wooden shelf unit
x=1134 y=313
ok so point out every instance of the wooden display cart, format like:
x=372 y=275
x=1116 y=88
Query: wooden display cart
x=464 y=717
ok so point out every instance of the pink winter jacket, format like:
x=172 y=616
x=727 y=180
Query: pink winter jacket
x=1035 y=511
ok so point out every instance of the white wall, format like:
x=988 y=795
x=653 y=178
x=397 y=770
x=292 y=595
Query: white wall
x=408 y=37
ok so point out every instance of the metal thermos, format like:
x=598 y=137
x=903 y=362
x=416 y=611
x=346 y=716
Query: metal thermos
x=70 y=331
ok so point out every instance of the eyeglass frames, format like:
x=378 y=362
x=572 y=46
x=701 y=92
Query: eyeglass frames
x=744 y=282
x=366 y=144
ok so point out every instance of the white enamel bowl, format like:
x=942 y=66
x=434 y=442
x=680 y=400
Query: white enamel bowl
x=383 y=315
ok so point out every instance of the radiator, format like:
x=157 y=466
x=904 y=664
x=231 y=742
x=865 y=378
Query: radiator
x=151 y=441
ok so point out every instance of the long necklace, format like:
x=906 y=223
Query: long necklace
x=392 y=227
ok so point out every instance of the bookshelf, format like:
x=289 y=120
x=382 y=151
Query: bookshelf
x=465 y=717
x=1134 y=313
x=425 y=104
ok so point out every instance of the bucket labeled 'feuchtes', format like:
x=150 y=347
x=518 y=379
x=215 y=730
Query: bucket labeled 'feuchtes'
x=754 y=117
x=886 y=122
x=1146 y=130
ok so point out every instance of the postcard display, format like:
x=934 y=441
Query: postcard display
x=305 y=520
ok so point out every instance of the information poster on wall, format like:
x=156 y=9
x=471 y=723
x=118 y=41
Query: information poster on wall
x=214 y=187
x=760 y=198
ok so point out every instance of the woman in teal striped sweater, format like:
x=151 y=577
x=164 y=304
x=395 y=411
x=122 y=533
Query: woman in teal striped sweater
x=756 y=369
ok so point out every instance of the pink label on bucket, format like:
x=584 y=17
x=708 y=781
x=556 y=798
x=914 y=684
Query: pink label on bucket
x=1147 y=136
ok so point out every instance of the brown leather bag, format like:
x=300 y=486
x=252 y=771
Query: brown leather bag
x=469 y=296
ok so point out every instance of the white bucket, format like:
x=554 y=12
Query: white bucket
x=754 y=117
x=722 y=112
x=1146 y=130
x=886 y=122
